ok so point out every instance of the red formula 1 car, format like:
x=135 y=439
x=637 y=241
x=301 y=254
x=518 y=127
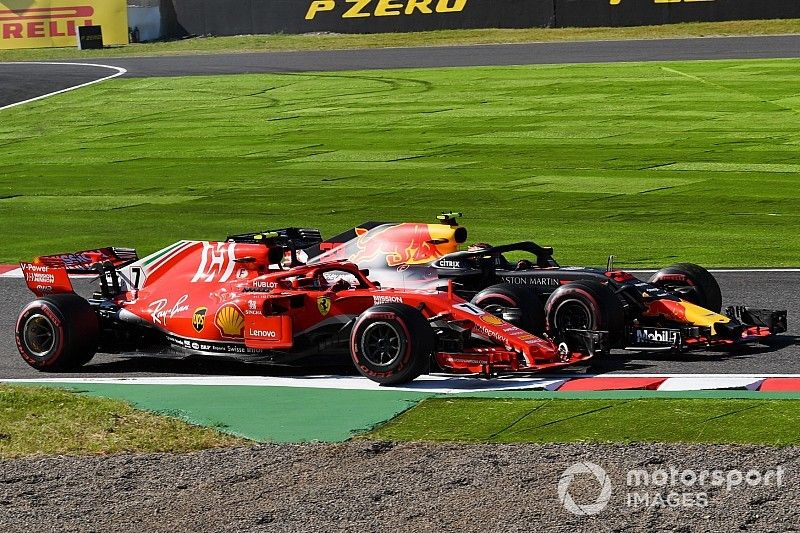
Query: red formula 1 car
x=235 y=298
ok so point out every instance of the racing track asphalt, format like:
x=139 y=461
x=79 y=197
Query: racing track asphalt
x=775 y=290
x=22 y=81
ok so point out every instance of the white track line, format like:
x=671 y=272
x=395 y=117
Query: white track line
x=435 y=383
x=119 y=72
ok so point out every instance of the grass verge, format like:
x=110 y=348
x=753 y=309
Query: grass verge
x=594 y=159
x=47 y=421
x=325 y=41
x=723 y=421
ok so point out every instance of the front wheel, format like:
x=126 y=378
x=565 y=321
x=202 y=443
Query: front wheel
x=392 y=343
x=586 y=304
x=57 y=333
x=516 y=304
x=693 y=283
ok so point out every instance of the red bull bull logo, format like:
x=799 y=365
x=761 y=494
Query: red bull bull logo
x=403 y=244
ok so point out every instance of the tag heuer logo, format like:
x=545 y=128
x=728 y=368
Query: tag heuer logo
x=324 y=305
x=199 y=319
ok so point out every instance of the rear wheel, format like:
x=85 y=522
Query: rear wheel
x=586 y=304
x=518 y=305
x=693 y=283
x=57 y=333
x=392 y=343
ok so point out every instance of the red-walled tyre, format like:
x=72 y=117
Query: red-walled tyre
x=57 y=333
x=693 y=282
x=586 y=304
x=392 y=343
x=515 y=304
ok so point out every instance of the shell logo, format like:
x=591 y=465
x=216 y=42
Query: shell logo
x=491 y=319
x=229 y=320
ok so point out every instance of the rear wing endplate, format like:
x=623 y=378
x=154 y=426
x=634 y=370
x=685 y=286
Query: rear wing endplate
x=44 y=280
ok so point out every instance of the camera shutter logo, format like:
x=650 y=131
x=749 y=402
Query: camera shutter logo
x=566 y=498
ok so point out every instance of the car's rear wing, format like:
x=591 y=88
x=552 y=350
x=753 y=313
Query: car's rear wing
x=84 y=262
x=49 y=274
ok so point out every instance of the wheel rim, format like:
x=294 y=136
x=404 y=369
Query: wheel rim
x=381 y=344
x=39 y=335
x=573 y=314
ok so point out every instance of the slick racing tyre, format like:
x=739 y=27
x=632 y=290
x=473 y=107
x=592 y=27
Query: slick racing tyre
x=515 y=304
x=392 y=343
x=586 y=304
x=57 y=333
x=693 y=283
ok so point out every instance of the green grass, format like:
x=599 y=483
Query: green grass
x=653 y=162
x=328 y=41
x=734 y=421
x=45 y=421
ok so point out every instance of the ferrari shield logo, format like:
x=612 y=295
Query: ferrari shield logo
x=324 y=305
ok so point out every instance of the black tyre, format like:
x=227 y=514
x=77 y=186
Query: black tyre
x=694 y=283
x=57 y=333
x=392 y=343
x=513 y=303
x=586 y=304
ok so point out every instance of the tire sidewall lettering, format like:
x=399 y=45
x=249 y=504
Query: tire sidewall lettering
x=51 y=314
x=587 y=298
x=355 y=351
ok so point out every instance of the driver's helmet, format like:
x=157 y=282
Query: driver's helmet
x=498 y=258
x=478 y=246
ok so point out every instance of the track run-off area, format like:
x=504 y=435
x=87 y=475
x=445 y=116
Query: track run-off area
x=743 y=367
x=21 y=82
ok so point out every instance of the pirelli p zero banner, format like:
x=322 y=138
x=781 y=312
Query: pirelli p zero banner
x=650 y=12
x=233 y=17
x=47 y=23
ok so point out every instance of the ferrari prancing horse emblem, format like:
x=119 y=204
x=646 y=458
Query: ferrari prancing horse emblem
x=324 y=305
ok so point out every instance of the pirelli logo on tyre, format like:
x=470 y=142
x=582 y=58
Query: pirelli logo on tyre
x=349 y=9
x=44 y=23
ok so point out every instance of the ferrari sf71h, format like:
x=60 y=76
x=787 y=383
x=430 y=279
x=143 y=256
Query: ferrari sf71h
x=240 y=298
x=679 y=307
